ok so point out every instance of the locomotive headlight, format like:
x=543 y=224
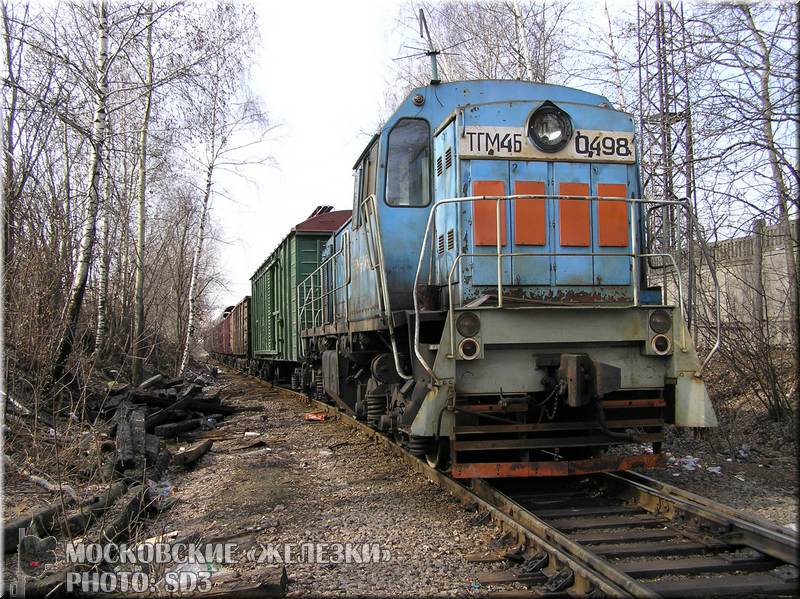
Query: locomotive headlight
x=468 y=324
x=469 y=349
x=660 y=321
x=661 y=344
x=550 y=128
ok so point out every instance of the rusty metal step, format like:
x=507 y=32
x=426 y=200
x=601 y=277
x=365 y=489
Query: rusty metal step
x=633 y=403
x=492 y=407
x=545 y=442
x=695 y=565
x=555 y=426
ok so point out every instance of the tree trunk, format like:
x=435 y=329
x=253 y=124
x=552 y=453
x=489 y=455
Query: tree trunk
x=78 y=287
x=195 y=268
x=782 y=189
x=10 y=110
x=526 y=70
x=138 y=321
x=102 y=275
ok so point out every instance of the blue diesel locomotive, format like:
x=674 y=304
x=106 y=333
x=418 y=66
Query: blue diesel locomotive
x=487 y=302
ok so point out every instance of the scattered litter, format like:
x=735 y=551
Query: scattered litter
x=743 y=452
x=315 y=416
x=252 y=434
x=791 y=526
x=728 y=459
x=162 y=488
x=676 y=474
x=715 y=469
x=162 y=538
x=17 y=407
x=252 y=444
x=739 y=477
x=325 y=452
x=689 y=463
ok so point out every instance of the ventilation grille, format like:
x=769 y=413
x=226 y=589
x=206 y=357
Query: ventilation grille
x=439 y=166
x=448 y=158
x=440 y=245
x=451 y=239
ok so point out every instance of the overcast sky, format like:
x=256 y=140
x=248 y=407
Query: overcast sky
x=321 y=72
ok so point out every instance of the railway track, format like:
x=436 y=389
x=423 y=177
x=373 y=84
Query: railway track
x=619 y=535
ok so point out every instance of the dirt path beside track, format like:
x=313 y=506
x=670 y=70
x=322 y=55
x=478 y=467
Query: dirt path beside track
x=315 y=482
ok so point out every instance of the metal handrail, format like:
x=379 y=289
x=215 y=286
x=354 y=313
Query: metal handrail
x=451 y=311
x=381 y=283
x=499 y=256
x=308 y=286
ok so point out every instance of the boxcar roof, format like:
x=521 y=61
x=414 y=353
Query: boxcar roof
x=326 y=222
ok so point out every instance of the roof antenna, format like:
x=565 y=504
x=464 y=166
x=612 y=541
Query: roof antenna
x=425 y=33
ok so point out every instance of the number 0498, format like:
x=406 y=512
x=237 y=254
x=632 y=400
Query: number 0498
x=602 y=145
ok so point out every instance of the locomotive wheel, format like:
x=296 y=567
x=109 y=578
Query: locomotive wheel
x=439 y=458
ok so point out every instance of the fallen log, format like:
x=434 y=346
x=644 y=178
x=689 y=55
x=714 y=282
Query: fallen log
x=211 y=407
x=200 y=403
x=172 y=429
x=151 y=381
x=152 y=445
x=192 y=454
x=53 y=585
x=130 y=437
x=43 y=519
x=78 y=522
x=173 y=382
x=275 y=585
x=138 y=500
x=164 y=414
x=162 y=463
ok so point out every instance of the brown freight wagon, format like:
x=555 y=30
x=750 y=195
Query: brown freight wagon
x=238 y=330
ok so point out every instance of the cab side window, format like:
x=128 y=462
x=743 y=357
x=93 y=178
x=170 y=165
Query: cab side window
x=365 y=176
x=358 y=179
x=408 y=164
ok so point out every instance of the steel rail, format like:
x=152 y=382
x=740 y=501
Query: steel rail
x=589 y=570
x=760 y=534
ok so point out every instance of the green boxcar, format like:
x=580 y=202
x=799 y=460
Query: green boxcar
x=273 y=305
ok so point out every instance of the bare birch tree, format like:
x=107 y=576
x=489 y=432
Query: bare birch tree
x=227 y=111
x=138 y=320
x=97 y=141
x=101 y=331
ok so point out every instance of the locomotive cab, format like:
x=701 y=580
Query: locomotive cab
x=489 y=300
